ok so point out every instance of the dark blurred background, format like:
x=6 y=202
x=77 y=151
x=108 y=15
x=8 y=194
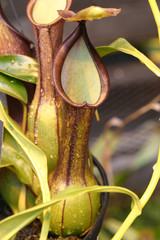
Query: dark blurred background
x=129 y=162
x=134 y=23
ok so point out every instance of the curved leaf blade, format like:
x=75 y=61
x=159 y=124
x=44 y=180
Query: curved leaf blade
x=10 y=186
x=15 y=160
x=124 y=46
x=1 y=138
x=19 y=66
x=12 y=224
x=13 y=87
x=90 y=13
x=37 y=160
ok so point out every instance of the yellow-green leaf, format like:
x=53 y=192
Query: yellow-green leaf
x=11 y=225
x=124 y=46
x=10 y=186
x=17 y=164
x=91 y=13
x=13 y=157
x=37 y=160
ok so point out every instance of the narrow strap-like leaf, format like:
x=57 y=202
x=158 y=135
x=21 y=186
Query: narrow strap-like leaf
x=124 y=46
x=1 y=137
x=12 y=224
x=37 y=160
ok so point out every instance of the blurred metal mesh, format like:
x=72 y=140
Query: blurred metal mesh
x=132 y=87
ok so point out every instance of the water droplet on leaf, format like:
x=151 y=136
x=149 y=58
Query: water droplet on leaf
x=12 y=61
x=42 y=92
x=52 y=102
x=36 y=134
x=20 y=63
x=69 y=232
x=77 y=155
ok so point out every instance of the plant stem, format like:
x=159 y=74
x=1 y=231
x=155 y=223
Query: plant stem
x=153 y=183
x=24 y=121
x=127 y=223
x=144 y=199
x=156 y=14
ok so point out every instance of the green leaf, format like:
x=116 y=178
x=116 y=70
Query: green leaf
x=15 y=159
x=10 y=189
x=17 y=164
x=124 y=46
x=148 y=152
x=13 y=87
x=90 y=13
x=152 y=47
x=12 y=224
x=37 y=160
x=104 y=235
x=20 y=67
x=113 y=225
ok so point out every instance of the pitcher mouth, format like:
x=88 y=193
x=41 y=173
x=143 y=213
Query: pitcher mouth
x=59 y=62
x=30 y=8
